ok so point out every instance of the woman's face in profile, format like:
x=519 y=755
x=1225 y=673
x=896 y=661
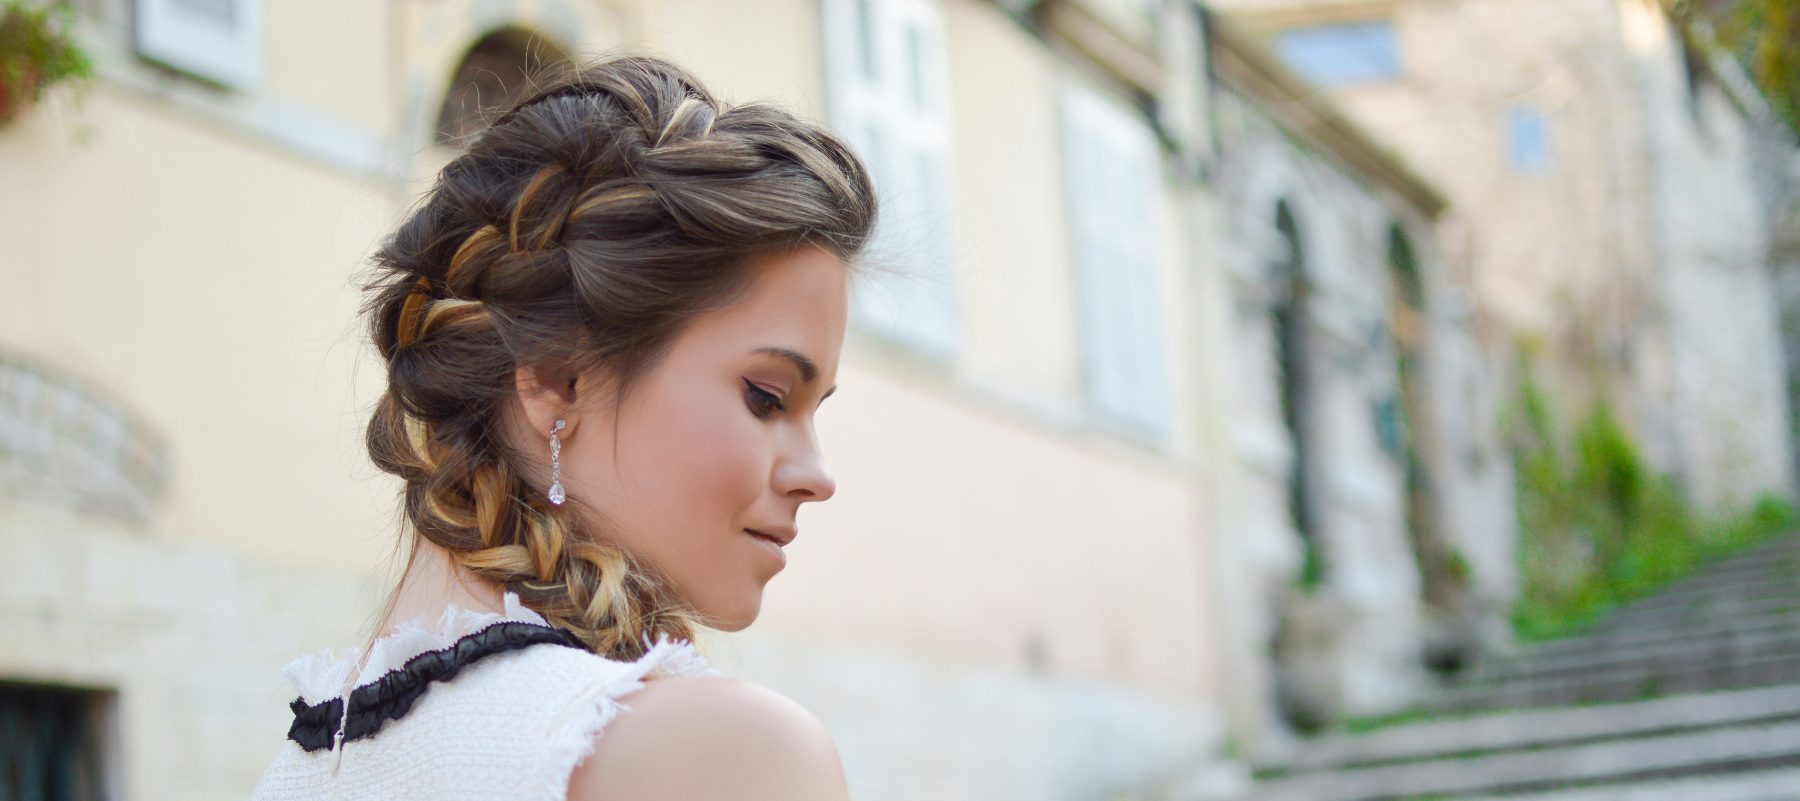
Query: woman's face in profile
x=718 y=437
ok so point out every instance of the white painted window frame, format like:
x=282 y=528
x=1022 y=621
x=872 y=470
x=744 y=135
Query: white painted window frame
x=1112 y=172
x=170 y=32
x=898 y=121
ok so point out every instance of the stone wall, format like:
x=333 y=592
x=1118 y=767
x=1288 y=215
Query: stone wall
x=1358 y=643
x=186 y=639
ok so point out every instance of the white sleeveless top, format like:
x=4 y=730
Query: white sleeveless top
x=483 y=706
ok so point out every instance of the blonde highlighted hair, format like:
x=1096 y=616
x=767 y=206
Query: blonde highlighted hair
x=598 y=213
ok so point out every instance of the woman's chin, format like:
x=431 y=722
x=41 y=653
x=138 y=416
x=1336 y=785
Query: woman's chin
x=736 y=619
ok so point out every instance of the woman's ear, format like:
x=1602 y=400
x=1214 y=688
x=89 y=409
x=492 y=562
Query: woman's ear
x=544 y=405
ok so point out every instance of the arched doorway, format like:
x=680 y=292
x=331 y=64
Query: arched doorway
x=496 y=68
x=1443 y=575
x=1406 y=303
x=1294 y=382
x=1305 y=624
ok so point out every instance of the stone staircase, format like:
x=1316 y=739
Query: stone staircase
x=1692 y=694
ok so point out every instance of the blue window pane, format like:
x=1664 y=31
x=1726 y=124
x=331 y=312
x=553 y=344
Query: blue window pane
x=1528 y=135
x=1335 y=54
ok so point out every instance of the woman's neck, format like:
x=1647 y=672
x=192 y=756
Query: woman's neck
x=433 y=581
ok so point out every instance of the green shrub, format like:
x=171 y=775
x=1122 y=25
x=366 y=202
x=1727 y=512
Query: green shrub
x=37 y=51
x=1598 y=527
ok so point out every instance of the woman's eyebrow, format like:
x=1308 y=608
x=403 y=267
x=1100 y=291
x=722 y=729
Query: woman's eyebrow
x=809 y=372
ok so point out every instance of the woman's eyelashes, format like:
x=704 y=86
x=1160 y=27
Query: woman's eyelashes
x=762 y=402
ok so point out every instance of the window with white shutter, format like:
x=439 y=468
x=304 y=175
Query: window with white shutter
x=219 y=40
x=1112 y=177
x=889 y=86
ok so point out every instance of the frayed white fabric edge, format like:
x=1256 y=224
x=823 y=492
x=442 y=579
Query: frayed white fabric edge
x=321 y=676
x=665 y=658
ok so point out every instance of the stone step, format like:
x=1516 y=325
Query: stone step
x=1701 y=611
x=1624 y=684
x=1771 y=623
x=1778 y=784
x=1687 y=753
x=1769 y=570
x=1775 y=564
x=1661 y=656
x=1757 y=556
x=1753 y=579
x=1775 y=584
x=1541 y=728
x=1778 y=545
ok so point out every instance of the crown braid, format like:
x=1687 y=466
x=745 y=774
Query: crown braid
x=579 y=233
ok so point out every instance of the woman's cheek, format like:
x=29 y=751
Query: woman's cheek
x=723 y=445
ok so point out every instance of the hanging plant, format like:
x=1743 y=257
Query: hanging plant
x=37 y=50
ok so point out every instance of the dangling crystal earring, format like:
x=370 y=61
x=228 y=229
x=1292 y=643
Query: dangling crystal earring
x=556 y=488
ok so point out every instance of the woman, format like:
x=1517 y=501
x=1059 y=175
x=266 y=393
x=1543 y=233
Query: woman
x=607 y=328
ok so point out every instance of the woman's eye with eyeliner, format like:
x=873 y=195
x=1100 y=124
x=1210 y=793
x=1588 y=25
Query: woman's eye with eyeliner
x=762 y=402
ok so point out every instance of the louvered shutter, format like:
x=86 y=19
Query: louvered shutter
x=1111 y=163
x=889 y=93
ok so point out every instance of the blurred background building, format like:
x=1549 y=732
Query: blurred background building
x=1187 y=423
x=1618 y=186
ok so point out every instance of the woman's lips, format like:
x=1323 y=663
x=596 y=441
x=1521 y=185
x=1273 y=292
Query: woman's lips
x=781 y=537
x=770 y=544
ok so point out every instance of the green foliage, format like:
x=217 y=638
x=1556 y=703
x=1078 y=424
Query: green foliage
x=1312 y=569
x=36 y=49
x=1230 y=749
x=1457 y=568
x=1598 y=527
x=1370 y=723
x=1764 y=35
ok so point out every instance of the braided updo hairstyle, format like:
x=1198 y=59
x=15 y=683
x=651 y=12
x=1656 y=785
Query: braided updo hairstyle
x=599 y=213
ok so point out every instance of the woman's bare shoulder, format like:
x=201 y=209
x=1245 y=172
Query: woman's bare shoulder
x=686 y=738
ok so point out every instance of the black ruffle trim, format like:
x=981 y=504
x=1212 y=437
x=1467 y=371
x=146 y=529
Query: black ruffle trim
x=374 y=704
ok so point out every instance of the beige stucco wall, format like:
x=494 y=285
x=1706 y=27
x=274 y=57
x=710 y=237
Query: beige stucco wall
x=1008 y=202
x=205 y=275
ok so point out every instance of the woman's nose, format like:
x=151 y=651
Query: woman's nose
x=805 y=476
